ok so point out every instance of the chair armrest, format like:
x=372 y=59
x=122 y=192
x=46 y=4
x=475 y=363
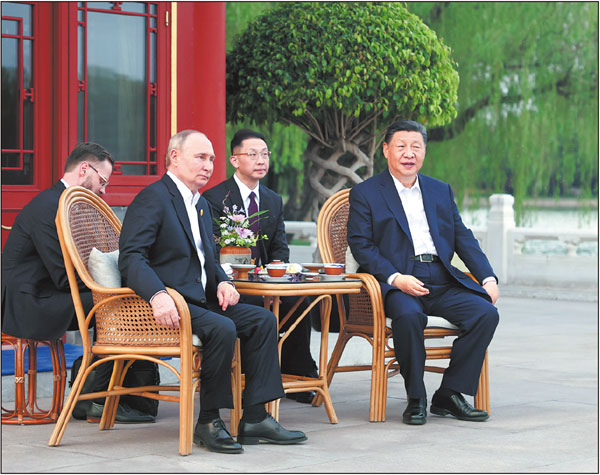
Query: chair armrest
x=124 y=318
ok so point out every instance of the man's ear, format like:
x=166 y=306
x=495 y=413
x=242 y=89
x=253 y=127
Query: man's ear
x=385 y=149
x=82 y=168
x=234 y=161
x=174 y=156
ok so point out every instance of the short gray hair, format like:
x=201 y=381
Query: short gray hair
x=177 y=141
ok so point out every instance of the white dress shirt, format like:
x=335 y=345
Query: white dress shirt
x=412 y=202
x=245 y=192
x=190 y=200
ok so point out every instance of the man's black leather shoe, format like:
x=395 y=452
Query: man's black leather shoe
x=214 y=436
x=125 y=414
x=456 y=405
x=305 y=397
x=416 y=412
x=268 y=430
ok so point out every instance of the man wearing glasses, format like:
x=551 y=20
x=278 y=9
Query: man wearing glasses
x=250 y=158
x=36 y=299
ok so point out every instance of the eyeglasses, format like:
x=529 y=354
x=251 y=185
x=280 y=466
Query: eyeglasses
x=103 y=179
x=253 y=155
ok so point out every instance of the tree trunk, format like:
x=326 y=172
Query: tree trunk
x=334 y=169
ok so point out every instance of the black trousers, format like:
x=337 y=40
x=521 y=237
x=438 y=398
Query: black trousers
x=475 y=316
x=295 y=353
x=218 y=330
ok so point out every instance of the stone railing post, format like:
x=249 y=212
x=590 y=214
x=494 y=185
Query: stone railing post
x=501 y=219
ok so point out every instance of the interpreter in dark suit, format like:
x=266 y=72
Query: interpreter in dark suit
x=36 y=298
x=250 y=158
x=166 y=241
x=404 y=228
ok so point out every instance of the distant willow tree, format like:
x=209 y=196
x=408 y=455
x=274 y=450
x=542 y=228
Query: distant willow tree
x=527 y=120
x=341 y=72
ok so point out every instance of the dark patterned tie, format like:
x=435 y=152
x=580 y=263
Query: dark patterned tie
x=253 y=208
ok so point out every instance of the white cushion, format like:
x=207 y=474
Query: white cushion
x=432 y=322
x=104 y=268
x=351 y=264
x=196 y=341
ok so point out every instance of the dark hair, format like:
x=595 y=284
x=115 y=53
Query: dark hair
x=244 y=134
x=408 y=125
x=86 y=151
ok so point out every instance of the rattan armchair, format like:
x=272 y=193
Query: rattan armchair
x=365 y=317
x=125 y=327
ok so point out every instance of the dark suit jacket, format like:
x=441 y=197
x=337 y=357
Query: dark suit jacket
x=380 y=240
x=36 y=298
x=227 y=193
x=157 y=247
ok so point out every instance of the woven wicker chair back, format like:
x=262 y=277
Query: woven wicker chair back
x=126 y=320
x=335 y=215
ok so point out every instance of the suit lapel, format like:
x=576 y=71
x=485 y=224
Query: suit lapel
x=265 y=205
x=207 y=239
x=390 y=195
x=429 y=205
x=180 y=210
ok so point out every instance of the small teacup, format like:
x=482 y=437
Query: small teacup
x=334 y=269
x=276 y=270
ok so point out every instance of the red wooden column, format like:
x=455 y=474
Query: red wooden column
x=201 y=75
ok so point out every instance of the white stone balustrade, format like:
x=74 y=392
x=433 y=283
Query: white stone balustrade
x=503 y=242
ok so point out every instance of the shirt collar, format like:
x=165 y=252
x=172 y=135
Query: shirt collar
x=403 y=189
x=64 y=182
x=186 y=193
x=244 y=190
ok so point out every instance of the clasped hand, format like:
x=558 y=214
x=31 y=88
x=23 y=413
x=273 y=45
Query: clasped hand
x=410 y=285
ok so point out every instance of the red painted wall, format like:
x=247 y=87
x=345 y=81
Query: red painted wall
x=201 y=75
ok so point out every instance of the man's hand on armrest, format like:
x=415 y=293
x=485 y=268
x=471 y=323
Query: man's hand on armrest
x=165 y=311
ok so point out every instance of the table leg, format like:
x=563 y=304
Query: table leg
x=293 y=383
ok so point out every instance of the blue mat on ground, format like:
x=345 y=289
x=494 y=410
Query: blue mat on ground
x=44 y=360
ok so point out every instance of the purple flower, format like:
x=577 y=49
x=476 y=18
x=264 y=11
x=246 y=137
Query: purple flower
x=237 y=218
x=243 y=232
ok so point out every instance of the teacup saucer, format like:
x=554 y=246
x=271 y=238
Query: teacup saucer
x=332 y=277
x=268 y=278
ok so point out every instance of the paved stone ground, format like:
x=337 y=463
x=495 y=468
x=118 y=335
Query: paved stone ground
x=544 y=392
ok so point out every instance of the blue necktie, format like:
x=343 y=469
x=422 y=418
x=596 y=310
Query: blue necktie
x=253 y=208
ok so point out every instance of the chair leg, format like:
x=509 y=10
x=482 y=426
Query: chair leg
x=59 y=373
x=378 y=385
x=482 y=398
x=236 y=386
x=186 y=406
x=65 y=415
x=111 y=403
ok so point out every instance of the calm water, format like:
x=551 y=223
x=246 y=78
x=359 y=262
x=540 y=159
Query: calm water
x=547 y=219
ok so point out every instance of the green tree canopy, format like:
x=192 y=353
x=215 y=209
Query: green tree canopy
x=527 y=112
x=341 y=72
